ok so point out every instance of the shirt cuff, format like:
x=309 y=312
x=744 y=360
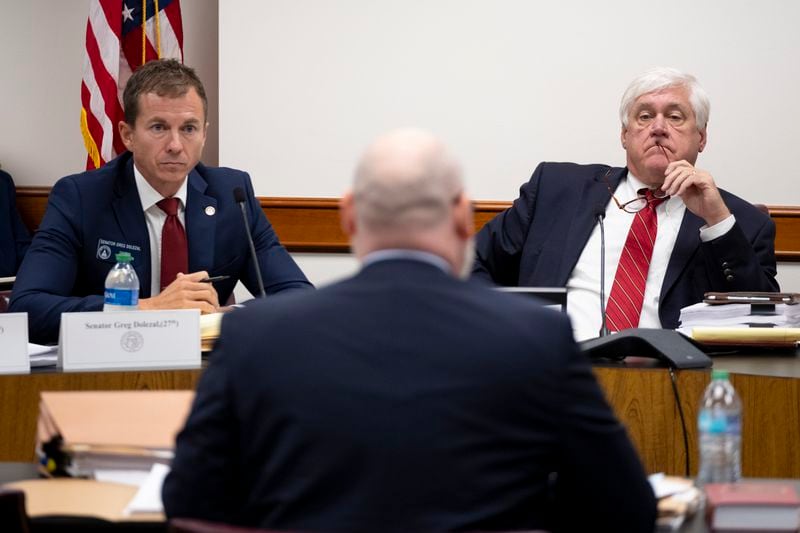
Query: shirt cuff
x=709 y=233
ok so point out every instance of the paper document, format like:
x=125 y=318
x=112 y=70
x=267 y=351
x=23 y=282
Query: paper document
x=135 y=478
x=209 y=330
x=148 y=498
x=703 y=314
x=42 y=355
x=678 y=499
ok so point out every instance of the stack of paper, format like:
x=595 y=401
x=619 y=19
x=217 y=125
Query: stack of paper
x=42 y=355
x=741 y=325
x=792 y=314
x=678 y=499
x=209 y=330
x=120 y=430
x=702 y=314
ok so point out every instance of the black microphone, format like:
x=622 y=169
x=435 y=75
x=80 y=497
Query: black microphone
x=600 y=214
x=239 y=197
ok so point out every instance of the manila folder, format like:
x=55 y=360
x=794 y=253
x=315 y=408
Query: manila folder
x=140 y=419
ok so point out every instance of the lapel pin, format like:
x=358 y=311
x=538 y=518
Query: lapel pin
x=210 y=210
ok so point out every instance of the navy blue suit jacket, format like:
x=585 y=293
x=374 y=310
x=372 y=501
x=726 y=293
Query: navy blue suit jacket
x=539 y=239
x=93 y=215
x=14 y=237
x=403 y=399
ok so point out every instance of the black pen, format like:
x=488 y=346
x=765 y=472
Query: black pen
x=214 y=279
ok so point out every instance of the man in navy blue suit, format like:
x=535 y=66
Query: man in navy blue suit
x=14 y=237
x=121 y=207
x=707 y=239
x=403 y=398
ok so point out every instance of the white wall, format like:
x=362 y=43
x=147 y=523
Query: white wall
x=42 y=43
x=305 y=84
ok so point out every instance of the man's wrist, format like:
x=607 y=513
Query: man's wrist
x=711 y=232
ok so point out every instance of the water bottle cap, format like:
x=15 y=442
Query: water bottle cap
x=719 y=374
x=124 y=257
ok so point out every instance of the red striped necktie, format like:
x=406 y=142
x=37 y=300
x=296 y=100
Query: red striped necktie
x=627 y=294
x=174 y=249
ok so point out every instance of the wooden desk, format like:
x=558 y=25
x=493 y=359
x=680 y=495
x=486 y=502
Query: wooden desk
x=641 y=395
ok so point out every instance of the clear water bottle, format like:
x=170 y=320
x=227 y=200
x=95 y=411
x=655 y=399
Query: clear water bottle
x=122 y=285
x=720 y=429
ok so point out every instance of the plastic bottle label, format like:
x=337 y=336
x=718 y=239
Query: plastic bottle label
x=708 y=422
x=129 y=297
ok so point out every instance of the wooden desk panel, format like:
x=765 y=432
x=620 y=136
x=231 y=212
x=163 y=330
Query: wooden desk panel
x=644 y=401
x=641 y=397
x=312 y=224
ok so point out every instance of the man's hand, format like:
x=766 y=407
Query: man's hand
x=697 y=189
x=186 y=292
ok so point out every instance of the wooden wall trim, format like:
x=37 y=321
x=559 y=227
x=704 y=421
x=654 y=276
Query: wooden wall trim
x=312 y=224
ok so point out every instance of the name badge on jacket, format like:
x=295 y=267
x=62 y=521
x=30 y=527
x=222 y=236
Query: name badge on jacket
x=107 y=250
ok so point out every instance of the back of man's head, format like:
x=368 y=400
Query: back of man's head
x=408 y=194
x=405 y=182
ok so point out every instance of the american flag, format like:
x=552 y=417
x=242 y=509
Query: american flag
x=117 y=42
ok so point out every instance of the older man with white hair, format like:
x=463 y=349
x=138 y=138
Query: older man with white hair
x=404 y=398
x=670 y=234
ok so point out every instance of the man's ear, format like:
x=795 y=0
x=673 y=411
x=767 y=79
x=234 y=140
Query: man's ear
x=205 y=133
x=126 y=134
x=347 y=214
x=463 y=217
x=703 y=138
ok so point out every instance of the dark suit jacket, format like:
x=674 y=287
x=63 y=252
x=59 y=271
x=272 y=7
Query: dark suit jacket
x=14 y=237
x=538 y=240
x=92 y=215
x=404 y=400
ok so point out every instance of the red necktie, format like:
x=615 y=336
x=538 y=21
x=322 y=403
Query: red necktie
x=627 y=294
x=174 y=250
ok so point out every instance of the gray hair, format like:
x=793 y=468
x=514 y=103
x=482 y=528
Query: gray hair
x=660 y=78
x=405 y=181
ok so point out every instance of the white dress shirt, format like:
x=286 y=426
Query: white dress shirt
x=583 y=287
x=155 y=219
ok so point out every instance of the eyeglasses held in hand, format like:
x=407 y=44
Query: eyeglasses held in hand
x=638 y=203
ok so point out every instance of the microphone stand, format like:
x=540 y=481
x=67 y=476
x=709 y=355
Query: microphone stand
x=239 y=197
x=600 y=214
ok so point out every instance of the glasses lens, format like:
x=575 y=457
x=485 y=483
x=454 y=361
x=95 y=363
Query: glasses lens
x=635 y=205
x=658 y=193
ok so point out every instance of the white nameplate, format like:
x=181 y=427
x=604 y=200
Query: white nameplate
x=119 y=340
x=14 y=343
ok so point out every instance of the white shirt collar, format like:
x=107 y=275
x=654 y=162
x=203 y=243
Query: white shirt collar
x=149 y=196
